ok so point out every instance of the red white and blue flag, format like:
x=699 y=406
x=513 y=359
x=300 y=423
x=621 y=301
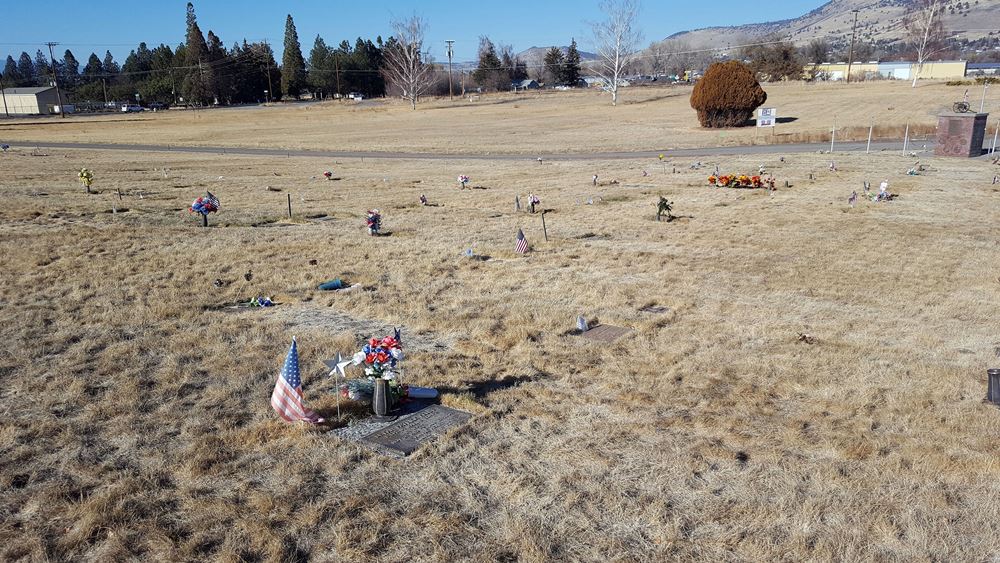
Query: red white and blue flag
x=287 y=396
x=522 y=243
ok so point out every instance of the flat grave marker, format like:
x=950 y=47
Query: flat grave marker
x=404 y=436
x=605 y=333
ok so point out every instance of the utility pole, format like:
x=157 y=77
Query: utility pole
x=450 y=42
x=104 y=86
x=55 y=78
x=850 y=56
x=336 y=71
x=269 y=87
x=4 y=94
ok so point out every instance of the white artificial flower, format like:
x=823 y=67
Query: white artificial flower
x=359 y=358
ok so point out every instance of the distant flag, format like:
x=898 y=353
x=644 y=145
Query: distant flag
x=212 y=199
x=522 y=243
x=398 y=336
x=287 y=396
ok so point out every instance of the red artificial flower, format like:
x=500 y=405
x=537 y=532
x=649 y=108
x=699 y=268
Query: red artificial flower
x=389 y=342
x=382 y=357
x=370 y=358
x=373 y=343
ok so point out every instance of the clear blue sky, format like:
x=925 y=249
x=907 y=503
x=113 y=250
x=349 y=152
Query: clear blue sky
x=86 y=27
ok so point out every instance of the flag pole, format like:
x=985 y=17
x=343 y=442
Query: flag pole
x=336 y=387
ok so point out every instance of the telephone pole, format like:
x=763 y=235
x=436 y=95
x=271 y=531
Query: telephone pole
x=850 y=56
x=269 y=87
x=55 y=78
x=450 y=42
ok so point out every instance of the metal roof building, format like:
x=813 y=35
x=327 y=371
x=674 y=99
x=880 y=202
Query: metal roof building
x=30 y=101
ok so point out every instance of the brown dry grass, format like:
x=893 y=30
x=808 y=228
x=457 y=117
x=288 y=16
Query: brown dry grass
x=135 y=421
x=543 y=122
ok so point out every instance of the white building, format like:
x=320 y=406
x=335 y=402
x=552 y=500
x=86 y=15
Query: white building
x=30 y=101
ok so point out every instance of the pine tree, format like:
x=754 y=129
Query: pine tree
x=43 y=72
x=490 y=73
x=70 y=70
x=293 y=66
x=197 y=85
x=109 y=64
x=94 y=68
x=26 y=69
x=222 y=81
x=554 y=60
x=571 y=66
x=11 y=76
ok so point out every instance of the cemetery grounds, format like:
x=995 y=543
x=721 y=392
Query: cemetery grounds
x=812 y=387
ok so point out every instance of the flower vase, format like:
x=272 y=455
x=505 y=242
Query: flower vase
x=382 y=400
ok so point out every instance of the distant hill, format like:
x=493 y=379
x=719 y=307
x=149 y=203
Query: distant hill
x=881 y=20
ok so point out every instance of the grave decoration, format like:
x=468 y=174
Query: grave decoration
x=328 y=175
x=463 y=180
x=532 y=202
x=853 y=198
x=665 y=207
x=883 y=193
x=4 y=147
x=260 y=301
x=205 y=205
x=423 y=199
x=374 y=222
x=86 y=178
x=380 y=358
x=286 y=399
x=742 y=181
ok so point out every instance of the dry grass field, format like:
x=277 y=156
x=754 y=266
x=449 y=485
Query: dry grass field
x=134 y=416
x=546 y=122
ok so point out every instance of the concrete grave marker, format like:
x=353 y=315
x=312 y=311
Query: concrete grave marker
x=404 y=436
x=605 y=333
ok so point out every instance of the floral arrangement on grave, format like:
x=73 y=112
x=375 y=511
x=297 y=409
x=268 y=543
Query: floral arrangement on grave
x=380 y=357
x=741 y=181
x=665 y=207
x=328 y=175
x=463 y=180
x=533 y=201
x=374 y=222
x=86 y=178
x=205 y=204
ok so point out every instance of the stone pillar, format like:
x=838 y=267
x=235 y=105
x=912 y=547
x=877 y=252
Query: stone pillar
x=961 y=134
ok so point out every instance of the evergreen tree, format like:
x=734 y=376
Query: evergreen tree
x=11 y=76
x=222 y=80
x=197 y=87
x=26 y=69
x=70 y=70
x=489 y=74
x=109 y=64
x=293 y=66
x=94 y=69
x=571 y=65
x=554 y=60
x=320 y=60
x=43 y=71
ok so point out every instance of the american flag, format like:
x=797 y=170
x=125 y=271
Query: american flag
x=398 y=336
x=209 y=197
x=522 y=243
x=287 y=396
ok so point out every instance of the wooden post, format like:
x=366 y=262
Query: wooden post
x=204 y=219
x=119 y=193
x=289 y=206
x=545 y=231
x=870 y=128
x=906 y=138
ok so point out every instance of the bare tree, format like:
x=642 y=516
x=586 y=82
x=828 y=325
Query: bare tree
x=926 y=32
x=406 y=66
x=617 y=42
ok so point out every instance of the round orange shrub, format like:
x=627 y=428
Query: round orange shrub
x=727 y=95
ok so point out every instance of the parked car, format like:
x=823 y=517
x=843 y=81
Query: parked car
x=356 y=96
x=158 y=105
x=132 y=109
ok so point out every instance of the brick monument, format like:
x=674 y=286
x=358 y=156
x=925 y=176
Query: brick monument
x=961 y=134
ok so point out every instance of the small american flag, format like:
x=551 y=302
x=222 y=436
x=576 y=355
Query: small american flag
x=209 y=197
x=522 y=243
x=287 y=396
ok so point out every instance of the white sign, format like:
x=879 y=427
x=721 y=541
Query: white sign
x=766 y=117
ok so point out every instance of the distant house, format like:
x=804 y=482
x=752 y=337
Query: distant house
x=524 y=85
x=31 y=101
x=902 y=70
x=590 y=82
x=982 y=69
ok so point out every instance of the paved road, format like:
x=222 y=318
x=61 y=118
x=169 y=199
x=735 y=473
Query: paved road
x=915 y=145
